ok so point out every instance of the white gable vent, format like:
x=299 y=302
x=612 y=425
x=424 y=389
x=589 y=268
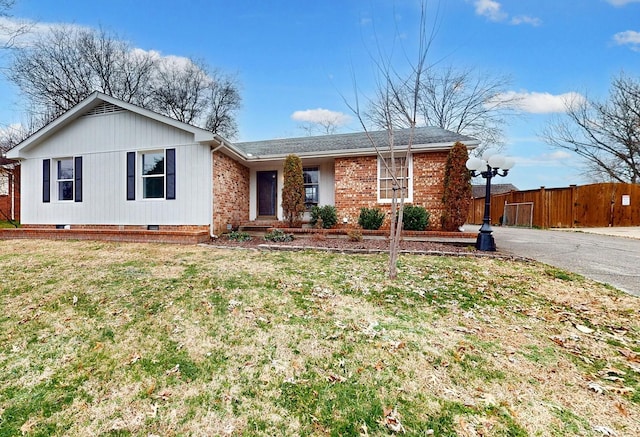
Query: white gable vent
x=104 y=108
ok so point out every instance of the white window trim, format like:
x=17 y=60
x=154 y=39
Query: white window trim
x=317 y=167
x=58 y=180
x=4 y=183
x=141 y=176
x=409 y=198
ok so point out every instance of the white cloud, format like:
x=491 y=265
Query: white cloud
x=321 y=115
x=10 y=25
x=629 y=37
x=13 y=127
x=27 y=31
x=541 y=103
x=525 y=19
x=492 y=10
x=622 y=2
x=559 y=158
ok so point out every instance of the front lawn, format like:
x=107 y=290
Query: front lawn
x=160 y=340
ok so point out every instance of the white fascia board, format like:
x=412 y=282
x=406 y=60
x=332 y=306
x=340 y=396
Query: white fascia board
x=200 y=135
x=345 y=153
x=53 y=126
x=229 y=149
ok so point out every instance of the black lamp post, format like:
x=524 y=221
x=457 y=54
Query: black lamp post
x=488 y=167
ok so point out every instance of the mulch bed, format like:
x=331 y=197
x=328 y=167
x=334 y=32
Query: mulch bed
x=345 y=245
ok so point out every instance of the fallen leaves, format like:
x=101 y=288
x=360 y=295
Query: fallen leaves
x=174 y=370
x=584 y=329
x=392 y=420
x=134 y=358
x=605 y=430
x=333 y=378
x=630 y=355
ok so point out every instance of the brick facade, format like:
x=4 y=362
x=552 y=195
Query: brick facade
x=428 y=184
x=356 y=186
x=230 y=193
x=10 y=203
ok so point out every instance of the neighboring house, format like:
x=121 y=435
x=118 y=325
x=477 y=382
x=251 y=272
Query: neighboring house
x=478 y=191
x=9 y=190
x=107 y=163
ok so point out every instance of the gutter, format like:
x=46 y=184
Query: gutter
x=434 y=147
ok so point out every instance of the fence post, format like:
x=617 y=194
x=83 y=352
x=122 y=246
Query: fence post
x=573 y=205
x=543 y=209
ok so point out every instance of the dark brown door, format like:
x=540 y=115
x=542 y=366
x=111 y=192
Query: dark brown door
x=267 y=193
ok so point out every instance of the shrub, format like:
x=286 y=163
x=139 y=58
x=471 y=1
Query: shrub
x=457 y=189
x=415 y=218
x=371 y=218
x=318 y=236
x=238 y=236
x=325 y=216
x=293 y=191
x=278 y=236
x=354 y=235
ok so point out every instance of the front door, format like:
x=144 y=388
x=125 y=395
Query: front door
x=267 y=193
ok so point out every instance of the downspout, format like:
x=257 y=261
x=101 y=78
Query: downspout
x=13 y=195
x=213 y=184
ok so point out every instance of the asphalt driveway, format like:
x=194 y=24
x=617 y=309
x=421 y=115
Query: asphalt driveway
x=614 y=260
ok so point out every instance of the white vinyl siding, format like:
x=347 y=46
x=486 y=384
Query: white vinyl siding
x=124 y=131
x=104 y=144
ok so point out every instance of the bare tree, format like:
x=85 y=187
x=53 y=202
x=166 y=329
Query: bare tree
x=460 y=100
x=224 y=102
x=187 y=101
x=396 y=103
x=605 y=134
x=67 y=64
x=10 y=136
x=10 y=31
x=320 y=121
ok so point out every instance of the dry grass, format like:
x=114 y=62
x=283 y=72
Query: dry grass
x=116 y=339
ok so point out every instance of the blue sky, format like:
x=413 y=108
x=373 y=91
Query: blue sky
x=296 y=55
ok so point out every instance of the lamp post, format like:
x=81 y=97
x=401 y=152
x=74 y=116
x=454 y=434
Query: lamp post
x=488 y=167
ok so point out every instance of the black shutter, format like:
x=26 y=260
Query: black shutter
x=46 y=180
x=131 y=175
x=77 y=172
x=171 y=173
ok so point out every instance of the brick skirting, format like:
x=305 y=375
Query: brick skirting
x=108 y=234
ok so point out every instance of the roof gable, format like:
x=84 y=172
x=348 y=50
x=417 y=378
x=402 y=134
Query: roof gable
x=98 y=104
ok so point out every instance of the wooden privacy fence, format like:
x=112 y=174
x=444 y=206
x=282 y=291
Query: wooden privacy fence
x=595 y=205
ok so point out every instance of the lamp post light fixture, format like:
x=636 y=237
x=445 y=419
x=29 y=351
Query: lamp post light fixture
x=488 y=167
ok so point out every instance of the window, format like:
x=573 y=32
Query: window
x=403 y=172
x=153 y=173
x=311 y=186
x=65 y=178
x=4 y=184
